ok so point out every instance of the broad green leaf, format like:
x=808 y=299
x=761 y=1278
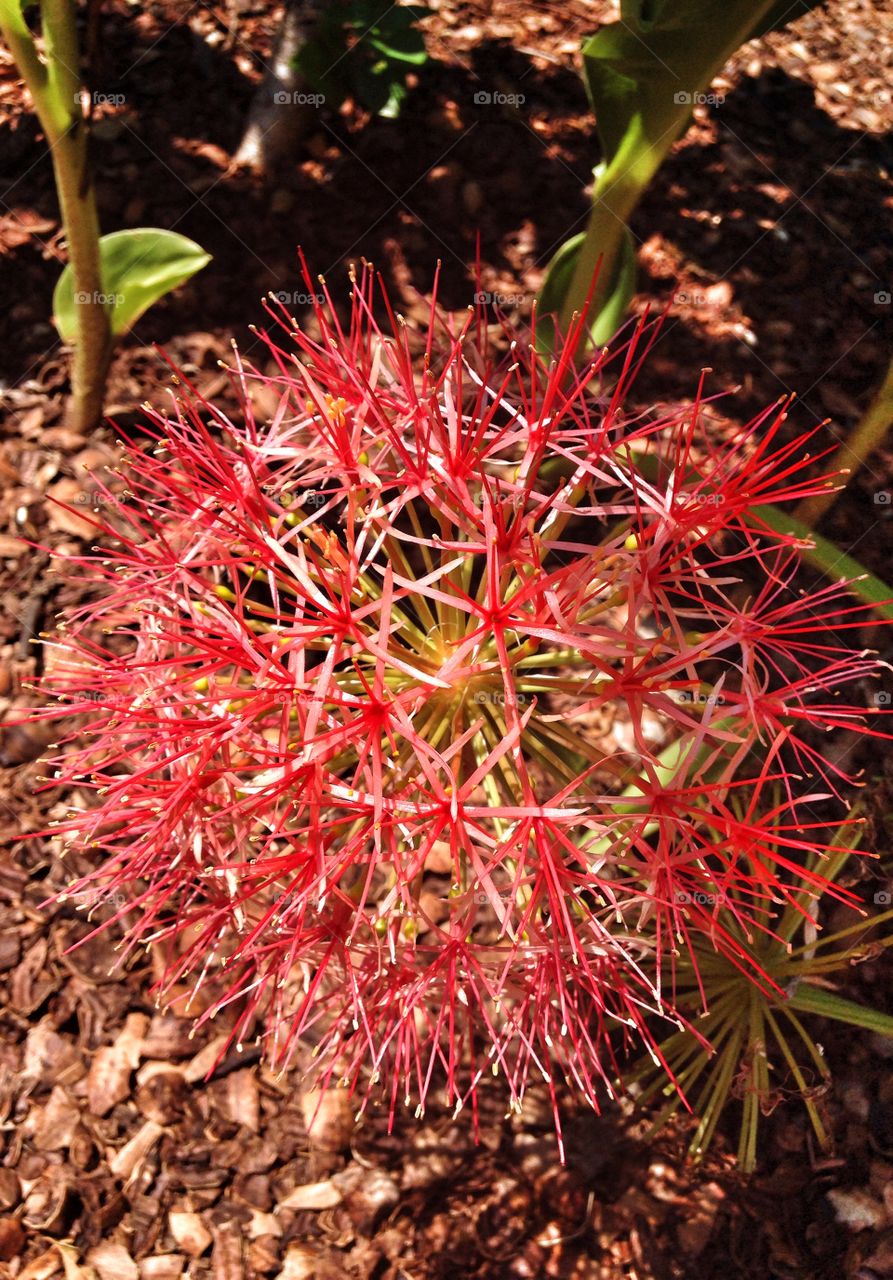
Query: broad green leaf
x=643 y=75
x=364 y=50
x=137 y=267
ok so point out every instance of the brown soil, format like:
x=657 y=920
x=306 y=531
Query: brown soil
x=768 y=236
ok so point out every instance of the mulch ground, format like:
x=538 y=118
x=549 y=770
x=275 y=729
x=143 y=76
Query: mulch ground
x=768 y=238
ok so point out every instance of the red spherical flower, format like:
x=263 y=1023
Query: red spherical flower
x=440 y=710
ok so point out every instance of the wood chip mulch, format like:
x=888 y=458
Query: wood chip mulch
x=768 y=234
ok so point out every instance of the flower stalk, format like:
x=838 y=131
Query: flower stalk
x=54 y=83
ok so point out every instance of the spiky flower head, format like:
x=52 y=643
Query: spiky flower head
x=432 y=718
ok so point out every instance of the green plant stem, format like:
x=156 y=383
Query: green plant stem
x=54 y=86
x=654 y=127
x=854 y=453
x=800 y=1081
x=617 y=191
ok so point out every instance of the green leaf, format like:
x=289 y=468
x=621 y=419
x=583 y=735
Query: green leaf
x=558 y=276
x=782 y=13
x=137 y=268
x=323 y=61
x=399 y=38
x=609 y=317
x=809 y=999
x=416 y=57
x=609 y=306
x=394 y=104
x=823 y=555
x=643 y=76
x=375 y=89
x=365 y=51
